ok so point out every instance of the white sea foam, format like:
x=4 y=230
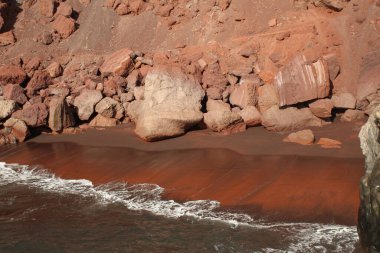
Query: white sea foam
x=305 y=237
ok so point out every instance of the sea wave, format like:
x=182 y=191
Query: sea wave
x=305 y=237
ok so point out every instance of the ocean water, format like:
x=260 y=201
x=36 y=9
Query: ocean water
x=40 y=212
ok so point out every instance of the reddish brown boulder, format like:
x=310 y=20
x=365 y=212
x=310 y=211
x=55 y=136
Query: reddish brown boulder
x=64 y=9
x=244 y=95
x=118 y=63
x=64 y=26
x=213 y=77
x=14 y=92
x=54 y=69
x=35 y=115
x=7 y=38
x=217 y=105
x=344 y=100
x=301 y=81
x=322 y=108
x=101 y=121
x=12 y=74
x=352 y=115
x=110 y=108
x=304 y=137
x=40 y=80
x=85 y=103
x=17 y=128
x=60 y=115
x=289 y=119
x=251 y=116
x=110 y=88
x=46 y=8
x=267 y=97
x=221 y=120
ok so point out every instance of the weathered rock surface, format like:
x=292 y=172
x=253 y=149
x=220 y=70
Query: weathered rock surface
x=352 y=115
x=14 y=92
x=301 y=81
x=117 y=63
x=7 y=107
x=60 y=115
x=171 y=105
x=369 y=212
x=322 y=108
x=12 y=74
x=251 y=116
x=35 y=115
x=221 y=120
x=244 y=95
x=217 y=105
x=110 y=108
x=64 y=26
x=85 y=103
x=303 y=137
x=289 y=119
x=329 y=143
x=40 y=80
x=267 y=97
x=344 y=100
x=101 y=121
x=17 y=128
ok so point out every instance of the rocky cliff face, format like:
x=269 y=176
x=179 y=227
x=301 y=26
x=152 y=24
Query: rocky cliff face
x=369 y=212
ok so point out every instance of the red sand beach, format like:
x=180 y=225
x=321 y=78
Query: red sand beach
x=254 y=171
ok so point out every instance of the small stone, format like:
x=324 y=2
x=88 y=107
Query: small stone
x=251 y=116
x=7 y=107
x=304 y=137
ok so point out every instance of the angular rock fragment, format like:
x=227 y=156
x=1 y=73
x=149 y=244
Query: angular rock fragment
x=12 y=74
x=7 y=107
x=34 y=116
x=86 y=102
x=117 y=63
x=251 y=116
x=303 y=137
x=222 y=121
x=322 y=108
x=344 y=100
x=60 y=115
x=17 y=128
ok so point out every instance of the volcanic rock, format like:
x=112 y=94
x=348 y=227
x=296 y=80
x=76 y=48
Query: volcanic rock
x=244 y=95
x=322 y=108
x=60 y=115
x=300 y=81
x=217 y=105
x=251 y=116
x=86 y=102
x=171 y=105
x=40 y=80
x=46 y=8
x=221 y=120
x=110 y=108
x=101 y=121
x=12 y=74
x=14 y=92
x=344 y=100
x=64 y=26
x=7 y=38
x=267 y=97
x=17 y=128
x=352 y=115
x=289 y=119
x=117 y=63
x=7 y=107
x=303 y=137
x=329 y=143
x=35 y=115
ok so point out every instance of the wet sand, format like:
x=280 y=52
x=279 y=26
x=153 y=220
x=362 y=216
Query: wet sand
x=254 y=171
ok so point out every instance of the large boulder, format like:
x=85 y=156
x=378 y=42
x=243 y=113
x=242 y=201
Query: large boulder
x=225 y=122
x=12 y=74
x=60 y=114
x=289 y=119
x=17 y=128
x=171 y=105
x=110 y=108
x=85 y=103
x=369 y=212
x=14 y=92
x=251 y=116
x=301 y=81
x=344 y=100
x=7 y=107
x=64 y=26
x=217 y=105
x=117 y=63
x=35 y=115
x=322 y=108
x=40 y=80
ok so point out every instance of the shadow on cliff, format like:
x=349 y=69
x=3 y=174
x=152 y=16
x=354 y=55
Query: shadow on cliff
x=10 y=14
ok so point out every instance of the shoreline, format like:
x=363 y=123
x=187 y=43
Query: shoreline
x=289 y=183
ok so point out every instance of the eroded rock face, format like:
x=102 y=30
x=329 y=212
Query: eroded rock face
x=60 y=115
x=369 y=212
x=221 y=120
x=301 y=81
x=171 y=105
